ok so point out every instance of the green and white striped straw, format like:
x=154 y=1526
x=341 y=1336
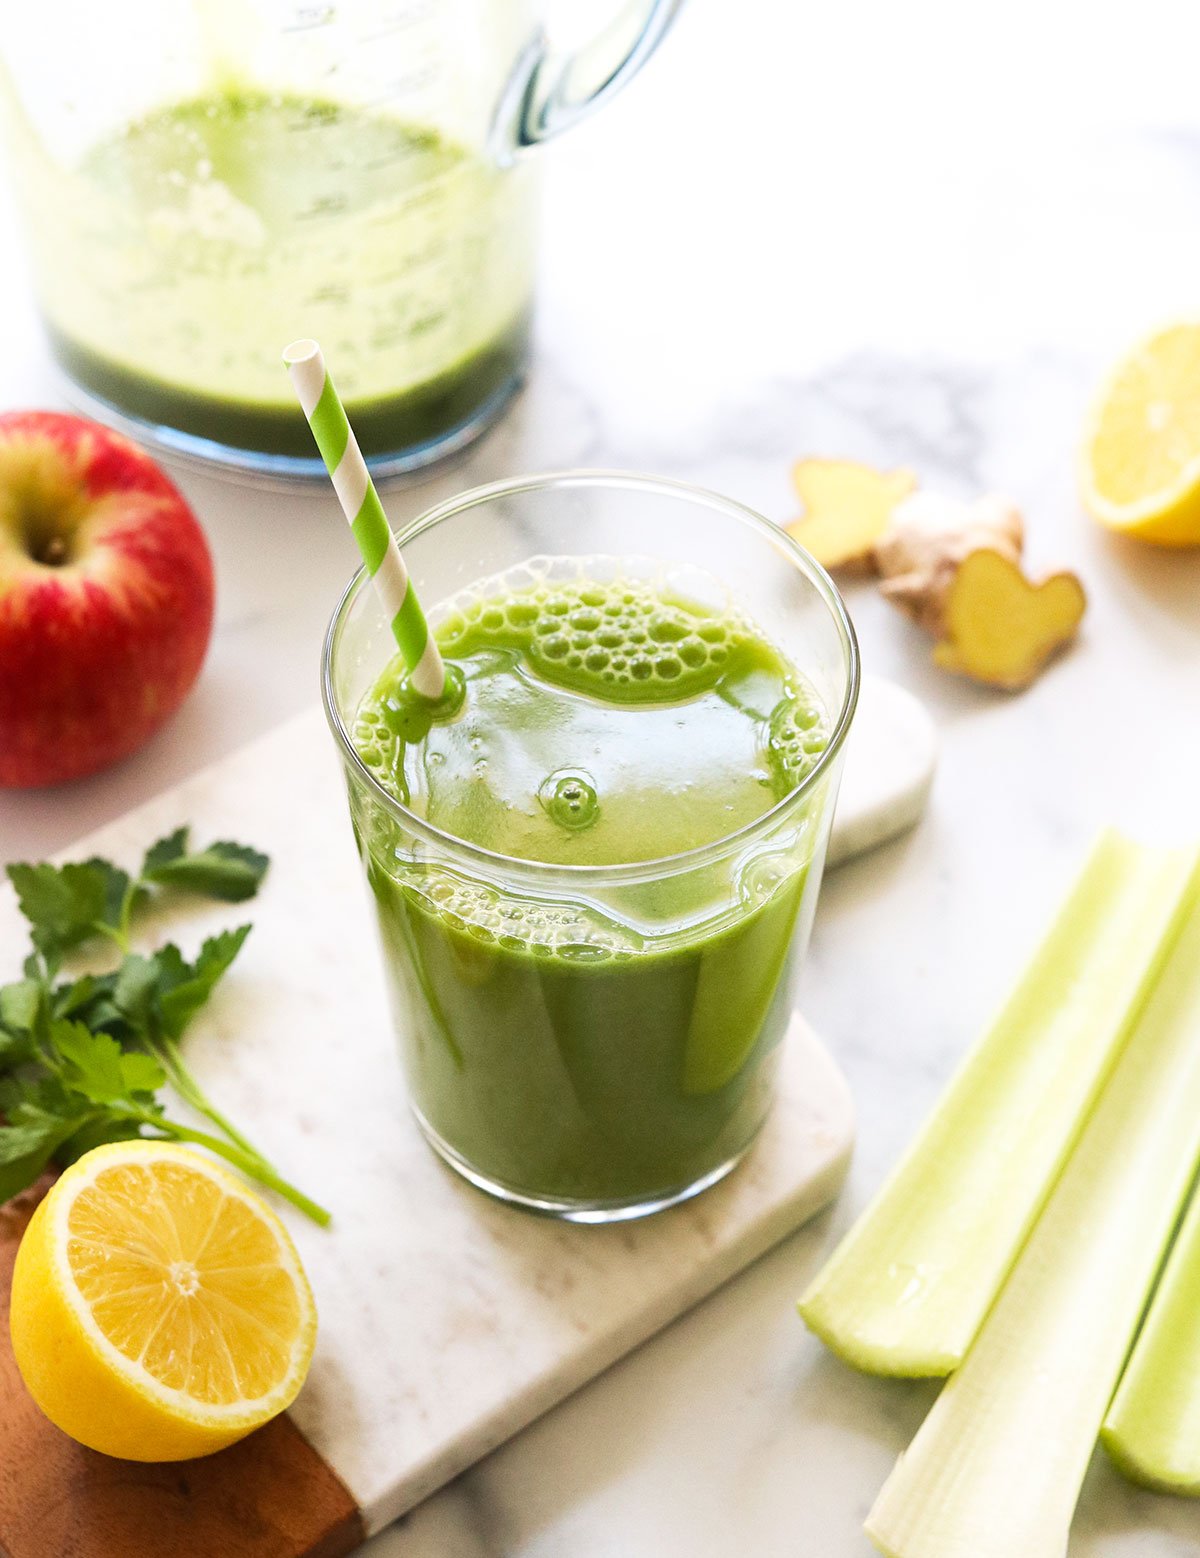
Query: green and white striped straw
x=361 y=506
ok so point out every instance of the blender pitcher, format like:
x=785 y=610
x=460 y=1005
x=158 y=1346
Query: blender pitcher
x=204 y=180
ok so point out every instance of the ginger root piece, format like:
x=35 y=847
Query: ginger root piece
x=846 y=509
x=1000 y=628
x=955 y=569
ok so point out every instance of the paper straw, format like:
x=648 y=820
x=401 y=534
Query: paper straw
x=361 y=506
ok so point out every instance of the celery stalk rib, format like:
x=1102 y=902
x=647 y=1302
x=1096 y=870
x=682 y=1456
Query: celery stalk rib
x=996 y=1468
x=1152 y=1430
x=909 y=1286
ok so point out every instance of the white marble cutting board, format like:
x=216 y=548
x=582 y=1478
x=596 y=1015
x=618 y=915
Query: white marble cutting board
x=448 y=1322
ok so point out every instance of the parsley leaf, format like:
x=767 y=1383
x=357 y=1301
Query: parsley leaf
x=31 y=1138
x=184 y=987
x=141 y=1074
x=134 y=992
x=15 y=1048
x=118 y=892
x=231 y=872
x=156 y=997
x=172 y=847
x=89 y=998
x=64 y=904
x=20 y=1005
x=95 y=1066
x=67 y=905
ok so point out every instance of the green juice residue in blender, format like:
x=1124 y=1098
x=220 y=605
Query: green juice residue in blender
x=182 y=253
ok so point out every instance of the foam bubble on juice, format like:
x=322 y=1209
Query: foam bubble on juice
x=622 y=641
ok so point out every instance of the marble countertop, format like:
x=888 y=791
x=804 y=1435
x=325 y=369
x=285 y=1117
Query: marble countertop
x=867 y=230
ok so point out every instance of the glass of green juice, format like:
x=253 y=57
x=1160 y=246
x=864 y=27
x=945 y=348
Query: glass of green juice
x=594 y=864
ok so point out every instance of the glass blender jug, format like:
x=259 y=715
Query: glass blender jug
x=205 y=180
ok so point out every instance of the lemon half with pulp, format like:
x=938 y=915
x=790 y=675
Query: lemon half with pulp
x=1141 y=454
x=159 y=1308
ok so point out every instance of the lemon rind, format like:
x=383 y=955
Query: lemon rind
x=1158 y=507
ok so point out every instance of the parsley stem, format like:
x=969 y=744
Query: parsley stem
x=250 y=1164
x=166 y=1051
x=132 y=888
x=114 y=933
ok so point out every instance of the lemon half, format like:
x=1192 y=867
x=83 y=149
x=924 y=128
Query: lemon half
x=159 y=1308
x=1141 y=454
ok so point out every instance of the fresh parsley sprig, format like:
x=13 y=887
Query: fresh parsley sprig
x=82 y=1059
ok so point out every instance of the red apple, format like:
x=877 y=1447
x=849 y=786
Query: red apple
x=106 y=598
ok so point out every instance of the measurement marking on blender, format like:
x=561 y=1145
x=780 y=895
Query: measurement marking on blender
x=327 y=205
x=414 y=80
x=305 y=18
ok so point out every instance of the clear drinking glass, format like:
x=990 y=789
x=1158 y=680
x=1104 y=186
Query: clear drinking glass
x=206 y=180
x=630 y=1063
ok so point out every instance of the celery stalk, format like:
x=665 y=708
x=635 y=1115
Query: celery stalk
x=1152 y=1430
x=910 y=1284
x=995 y=1469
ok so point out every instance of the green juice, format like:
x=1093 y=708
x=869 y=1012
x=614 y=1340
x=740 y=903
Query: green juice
x=583 y=1038
x=178 y=256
